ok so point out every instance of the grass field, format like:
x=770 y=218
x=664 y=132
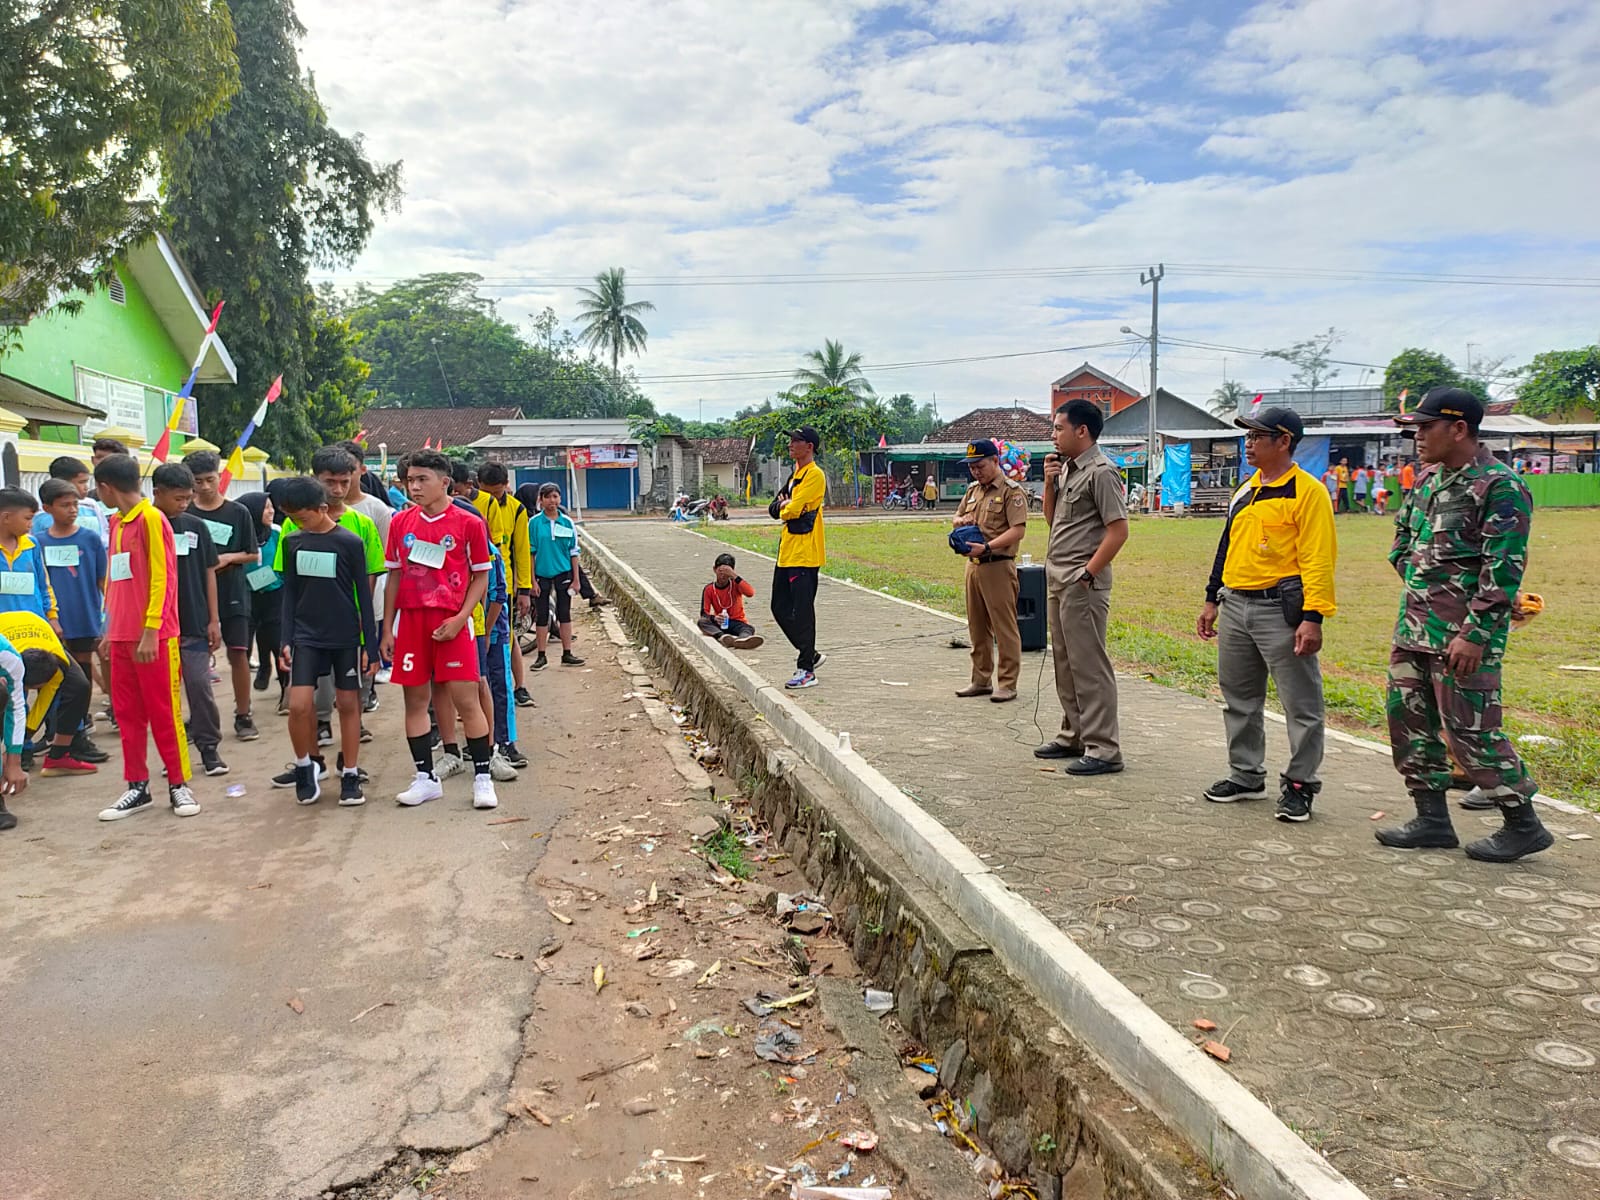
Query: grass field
x=1160 y=583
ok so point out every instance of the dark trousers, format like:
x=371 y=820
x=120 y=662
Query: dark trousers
x=794 y=608
x=712 y=627
x=71 y=703
x=266 y=622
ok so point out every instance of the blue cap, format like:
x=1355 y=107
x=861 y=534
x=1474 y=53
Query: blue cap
x=982 y=448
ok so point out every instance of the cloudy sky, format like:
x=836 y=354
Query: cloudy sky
x=937 y=181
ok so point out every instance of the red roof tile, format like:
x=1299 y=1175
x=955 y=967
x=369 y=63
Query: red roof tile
x=1011 y=423
x=405 y=429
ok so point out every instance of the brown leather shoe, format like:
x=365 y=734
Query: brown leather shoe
x=1003 y=695
x=973 y=689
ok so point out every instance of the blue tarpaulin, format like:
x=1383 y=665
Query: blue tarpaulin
x=1312 y=455
x=1175 y=475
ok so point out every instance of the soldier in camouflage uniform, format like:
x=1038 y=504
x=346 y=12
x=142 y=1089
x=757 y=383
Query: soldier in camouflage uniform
x=1460 y=546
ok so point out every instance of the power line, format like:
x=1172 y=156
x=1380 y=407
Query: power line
x=1264 y=272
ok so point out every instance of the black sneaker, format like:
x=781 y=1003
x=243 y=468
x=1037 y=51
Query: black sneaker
x=8 y=820
x=538 y=664
x=338 y=765
x=1226 y=791
x=370 y=704
x=27 y=761
x=283 y=700
x=182 y=800
x=263 y=676
x=1295 y=802
x=350 y=793
x=306 y=788
x=366 y=734
x=523 y=698
x=244 y=728
x=569 y=659
x=821 y=658
x=512 y=755
x=136 y=799
x=84 y=750
x=324 y=734
x=212 y=762
x=286 y=779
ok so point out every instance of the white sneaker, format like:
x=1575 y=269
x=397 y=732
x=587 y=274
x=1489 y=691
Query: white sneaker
x=483 y=792
x=382 y=675
x=422 y=789
x=182 y=800
x=447 y=764
x=500 y=770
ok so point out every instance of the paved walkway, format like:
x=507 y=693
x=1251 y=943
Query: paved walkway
x=1432 y=1024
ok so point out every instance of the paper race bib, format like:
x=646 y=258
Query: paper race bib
x=261 y=577
x=427 y=554
x=61 y=556
x=183 y=543
x=121 y=567
x=316 y=564
x=220 y=534
x=17 y=583
x=565 y=532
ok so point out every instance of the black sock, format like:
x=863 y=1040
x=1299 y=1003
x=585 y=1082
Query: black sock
x=56 y=752
x=478 y=747
x=422 y=753
x=453 y=748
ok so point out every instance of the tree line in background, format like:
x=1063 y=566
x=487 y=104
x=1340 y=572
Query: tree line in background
x=1553 y=385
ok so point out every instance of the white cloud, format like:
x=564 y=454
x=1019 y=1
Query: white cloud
x=687 y=139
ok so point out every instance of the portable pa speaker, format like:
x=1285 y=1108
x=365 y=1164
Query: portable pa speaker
x=1032 y=618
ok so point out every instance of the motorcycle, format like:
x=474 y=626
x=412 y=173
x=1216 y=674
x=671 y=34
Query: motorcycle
x=907 y=499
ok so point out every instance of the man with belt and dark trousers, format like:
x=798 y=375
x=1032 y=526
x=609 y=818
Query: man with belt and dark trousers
x=1087 y=511
x=1273 y=578
x=999 y=508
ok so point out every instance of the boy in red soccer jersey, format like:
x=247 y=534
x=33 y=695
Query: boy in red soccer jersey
x=142 y=631
x=438 y=560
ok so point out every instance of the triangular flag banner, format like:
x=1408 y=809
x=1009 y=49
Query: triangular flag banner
x=1401 y=398
x=235 y=464
x=1256 y=403
x=883 y=442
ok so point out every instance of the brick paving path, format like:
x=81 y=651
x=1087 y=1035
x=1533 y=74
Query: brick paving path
x=1432 y=1023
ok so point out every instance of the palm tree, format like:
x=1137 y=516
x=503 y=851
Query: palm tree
x=1225 y=401
x=611 y=323
x=831 y=367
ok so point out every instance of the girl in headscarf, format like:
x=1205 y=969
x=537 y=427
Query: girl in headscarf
x=266 y=602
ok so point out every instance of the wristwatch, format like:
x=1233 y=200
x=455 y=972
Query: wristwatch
x=1087 y=574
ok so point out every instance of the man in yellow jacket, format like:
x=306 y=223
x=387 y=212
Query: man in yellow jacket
x=801 y=554
x=1273 y=579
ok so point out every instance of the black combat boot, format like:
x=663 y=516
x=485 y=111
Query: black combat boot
x=1521 y=835
x=1430 y=829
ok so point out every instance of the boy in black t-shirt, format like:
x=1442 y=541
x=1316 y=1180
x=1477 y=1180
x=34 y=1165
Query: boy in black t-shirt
x=199 y=633
x=328 y=628
x=233 y=532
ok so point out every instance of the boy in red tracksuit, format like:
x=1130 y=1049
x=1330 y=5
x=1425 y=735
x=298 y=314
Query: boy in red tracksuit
x=142 y=633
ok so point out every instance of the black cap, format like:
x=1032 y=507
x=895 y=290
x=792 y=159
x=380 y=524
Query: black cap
x=981 y=449
x=1274 y=420
x=806 y=434
x=1445 y=404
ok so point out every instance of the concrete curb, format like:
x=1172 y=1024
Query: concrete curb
x=1139 y=1049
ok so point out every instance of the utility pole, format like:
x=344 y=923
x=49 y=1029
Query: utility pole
x=449 y=395
x=1153 y=278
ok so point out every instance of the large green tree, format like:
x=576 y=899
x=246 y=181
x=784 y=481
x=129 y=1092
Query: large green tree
x=831 y=367
x=1559 y=383
x=610 y=321
x=1227 y=399
x=1417 y=372
x=91 y=95
x=847 y=423
x=257 y=197
x=909 y=421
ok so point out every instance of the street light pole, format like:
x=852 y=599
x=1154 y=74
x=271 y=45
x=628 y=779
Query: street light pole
x=1153 y=278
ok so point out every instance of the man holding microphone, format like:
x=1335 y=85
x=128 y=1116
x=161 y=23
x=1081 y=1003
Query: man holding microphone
x=1087 y=512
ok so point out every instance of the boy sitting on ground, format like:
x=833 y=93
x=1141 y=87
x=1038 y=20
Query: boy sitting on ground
x=722 y=608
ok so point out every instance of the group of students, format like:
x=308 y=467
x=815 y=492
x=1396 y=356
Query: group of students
x=335 y=589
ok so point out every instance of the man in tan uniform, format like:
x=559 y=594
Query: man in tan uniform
x=999 y=508
x=1087 y=511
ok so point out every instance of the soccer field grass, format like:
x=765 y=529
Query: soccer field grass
x=1160 y=585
